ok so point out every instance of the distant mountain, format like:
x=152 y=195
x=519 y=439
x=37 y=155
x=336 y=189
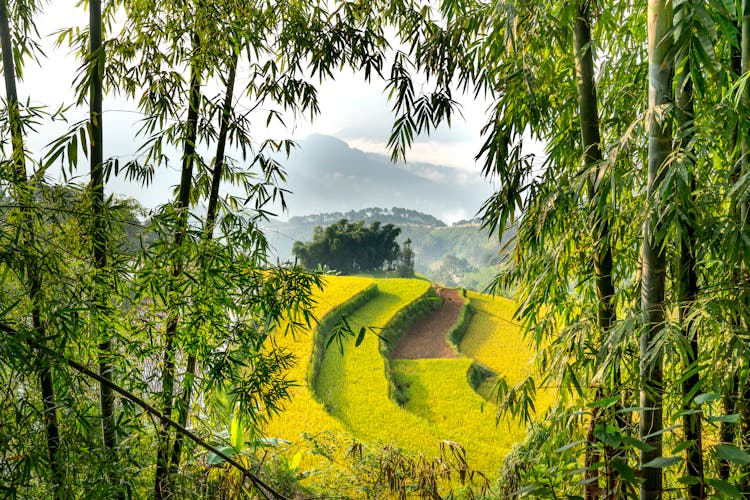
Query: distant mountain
x=325 y=175
x=395 y=215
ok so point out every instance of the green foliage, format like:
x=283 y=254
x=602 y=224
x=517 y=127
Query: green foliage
x=452 y=269
x=189 y=315
x=396 y=216
x=532 y=469
x=405 y=267
x=194 y=314
x=431 y=242
x=457 y=333
x=669 y=238
x=350 y=247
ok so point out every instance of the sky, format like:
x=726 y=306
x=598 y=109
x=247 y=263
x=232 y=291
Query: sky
x=352 y=110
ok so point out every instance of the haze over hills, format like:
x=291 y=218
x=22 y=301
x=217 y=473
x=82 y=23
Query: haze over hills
x=460 y=254
x=326 y=175
x=328 y=180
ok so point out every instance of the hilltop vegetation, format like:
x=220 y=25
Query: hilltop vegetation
x=349 y=247
x=396 y=216
x=457 y=255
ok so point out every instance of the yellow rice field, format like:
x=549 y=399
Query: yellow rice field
x=439 y=392
x=496 y=340
x=303 y=414
x=354 y=386
x=354 y=392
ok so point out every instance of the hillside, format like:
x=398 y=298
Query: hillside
x=350 y=394
x=461 y=254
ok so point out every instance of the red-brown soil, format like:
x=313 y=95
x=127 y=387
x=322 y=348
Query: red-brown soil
x=426 y=339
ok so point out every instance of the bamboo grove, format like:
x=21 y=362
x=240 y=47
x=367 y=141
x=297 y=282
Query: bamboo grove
x=178 y=312
x=630 y=261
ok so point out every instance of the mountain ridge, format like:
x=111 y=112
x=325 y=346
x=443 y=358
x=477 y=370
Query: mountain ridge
x=326 y=175
x=462 y=254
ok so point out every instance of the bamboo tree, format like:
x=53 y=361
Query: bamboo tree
x=727 y=429
x=597 y=194
x=743 y=388
x=99 y=238
x=653 y=251
x=686 y=286
x=25 y=198
x=213 y=199
x=162 y=488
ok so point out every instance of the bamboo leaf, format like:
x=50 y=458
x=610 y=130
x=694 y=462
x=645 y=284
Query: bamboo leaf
x=724 y=487
x=360 y=337
x=732 y=454
x=637 y=443
x=569 y=446
x=662 y=462
x=627 y=472
x=706 y=397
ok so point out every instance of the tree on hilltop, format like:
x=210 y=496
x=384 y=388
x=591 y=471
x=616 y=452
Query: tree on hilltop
x=350 y=247
x=406 y=261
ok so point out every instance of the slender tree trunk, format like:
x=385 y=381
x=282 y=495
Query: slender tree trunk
x=745 y=428
x=686 y=287
x=602 y=259
x=99 y=239
x=50 y=405
x=653 y=262
x=218 y=172
x=25 y=199
x=162 y=488
x=743 y=388
x=213 y=200
x=727 y=431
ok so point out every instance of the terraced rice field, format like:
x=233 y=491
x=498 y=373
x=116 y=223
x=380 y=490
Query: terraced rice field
x=303 y=414
x=440 y=394
x=351 y=390
x=495 y=340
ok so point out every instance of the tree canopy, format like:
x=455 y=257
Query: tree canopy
x=629 y=260
x=350 y=247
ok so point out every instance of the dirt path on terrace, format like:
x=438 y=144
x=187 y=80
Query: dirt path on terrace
x=426 y=339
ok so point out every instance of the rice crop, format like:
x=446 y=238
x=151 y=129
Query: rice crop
x=350 y=398
x=304 y=415
x=439 y=392
x=353 y=385
x=495 y=340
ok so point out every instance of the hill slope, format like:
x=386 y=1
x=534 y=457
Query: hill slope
x=350 y=396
